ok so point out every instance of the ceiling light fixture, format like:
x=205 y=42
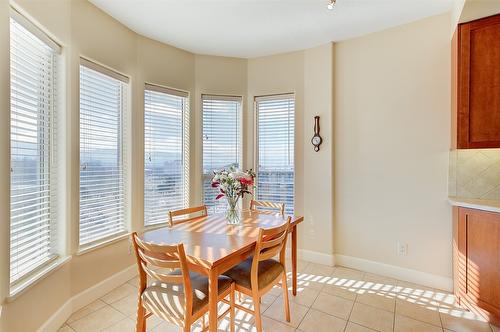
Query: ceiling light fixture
x=331 y=4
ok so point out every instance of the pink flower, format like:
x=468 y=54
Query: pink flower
x=219 y=196
x=215 y=184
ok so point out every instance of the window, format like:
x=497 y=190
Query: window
x=102 y=107
x=165 y=151
x=221 y=142
x=275 y=149
x=33 y=68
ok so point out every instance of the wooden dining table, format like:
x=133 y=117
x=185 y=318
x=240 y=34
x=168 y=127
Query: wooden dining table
x=213 y=246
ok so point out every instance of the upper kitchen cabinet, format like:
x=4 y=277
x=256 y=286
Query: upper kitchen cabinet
x=476 y=84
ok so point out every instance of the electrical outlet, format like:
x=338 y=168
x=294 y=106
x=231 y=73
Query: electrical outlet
x=402 y=249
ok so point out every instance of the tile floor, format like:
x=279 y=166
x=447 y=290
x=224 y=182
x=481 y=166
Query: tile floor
x=329 y=299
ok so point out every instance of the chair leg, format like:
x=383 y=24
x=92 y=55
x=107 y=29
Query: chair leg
x=258 y=319
x=232 y=313
x=141 y=319
x=203 y=322
x=285 y=298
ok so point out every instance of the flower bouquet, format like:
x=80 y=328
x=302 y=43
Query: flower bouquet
x=233 y=184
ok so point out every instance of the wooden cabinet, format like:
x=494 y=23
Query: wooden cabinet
x=476 y=80
x=477 y=261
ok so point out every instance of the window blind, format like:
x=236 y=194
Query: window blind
x=33 y=99
x=275 y=149
x=221 y=142
x=102 y=104
x=165 y=151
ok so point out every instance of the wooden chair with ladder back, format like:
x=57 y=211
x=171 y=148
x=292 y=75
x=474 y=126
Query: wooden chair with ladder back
x=268 y=206
x=174 y=294
x=258 y=274
x=186 y=213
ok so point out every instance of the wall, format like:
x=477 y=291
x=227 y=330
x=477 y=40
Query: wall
x=217 y=76
x=475 y=9
x=392 y=135
x=308 y=74
x=389 y=140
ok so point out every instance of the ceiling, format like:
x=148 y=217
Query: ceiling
x=252 y=28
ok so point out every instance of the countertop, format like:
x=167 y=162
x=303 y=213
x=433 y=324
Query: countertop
x=479 y=204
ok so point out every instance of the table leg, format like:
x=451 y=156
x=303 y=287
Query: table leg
x=294 y=260
x=212 y=300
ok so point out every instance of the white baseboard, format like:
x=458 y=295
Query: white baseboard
x=316 y=257
x=86 y=297
x=392 y=271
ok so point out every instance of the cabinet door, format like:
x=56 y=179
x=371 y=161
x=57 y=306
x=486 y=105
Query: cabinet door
x=479 y=84
x=480 y=233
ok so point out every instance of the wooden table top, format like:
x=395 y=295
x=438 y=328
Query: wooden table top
x=209 y=240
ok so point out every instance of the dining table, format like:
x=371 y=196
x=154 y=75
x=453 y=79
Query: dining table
x=213 y=246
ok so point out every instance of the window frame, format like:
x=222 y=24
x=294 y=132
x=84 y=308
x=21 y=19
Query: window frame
x=238 y=99
x=125 y=151
x=185 y=144
x=22 y=282
x=284 y=95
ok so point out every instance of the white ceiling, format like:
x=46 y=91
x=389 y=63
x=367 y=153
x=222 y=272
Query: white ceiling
x=251 y=28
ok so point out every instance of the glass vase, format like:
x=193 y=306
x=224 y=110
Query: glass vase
x=232 y=212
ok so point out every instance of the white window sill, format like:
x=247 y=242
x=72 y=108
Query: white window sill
x=33 y=279
x=102 y=243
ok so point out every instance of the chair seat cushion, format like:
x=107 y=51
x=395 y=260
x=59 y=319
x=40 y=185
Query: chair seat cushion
x=168 y=300
x=269 y=270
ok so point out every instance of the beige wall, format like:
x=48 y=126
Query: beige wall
x=217 y=76
x=475 y=9
x=308 y=74
x=392 y=136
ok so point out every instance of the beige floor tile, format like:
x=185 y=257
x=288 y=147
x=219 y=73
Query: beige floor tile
x=333 y=305
x=319 y=270
x=126 y=325
x=418 y=311
x=271 y=325
x=152 y=321
x=65 y=328
x=346 y=288
x=98 y=320
x=495 y=328
x=301 y=265
x=119 y=293
x=352 y=327
x=317 y=321
x=378 y=299
x=346 y=273
x=166 y=327
x=134 y=282
x=126 y=305
x=421 y=294
x=247 y=301
x=277 y=312
x=307 y=280
x=378 y=279
x=98 y=304
x=407 y=324
x=305 y=296
x=371 y=317
x=464 y=321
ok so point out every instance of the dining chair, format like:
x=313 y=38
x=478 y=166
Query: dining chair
x=174 y=293
x=200 y=210
x=268 y=206
x=258 y=274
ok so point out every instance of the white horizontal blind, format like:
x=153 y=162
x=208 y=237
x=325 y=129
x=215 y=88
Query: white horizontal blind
x=165 y=167
x=33 y=99
x=221 y=142
x=275 y=146
x=101 y=155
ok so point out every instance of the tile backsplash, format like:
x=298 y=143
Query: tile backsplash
x=475 y=173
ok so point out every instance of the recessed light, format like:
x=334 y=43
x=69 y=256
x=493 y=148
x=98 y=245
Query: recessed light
x=331 y=4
